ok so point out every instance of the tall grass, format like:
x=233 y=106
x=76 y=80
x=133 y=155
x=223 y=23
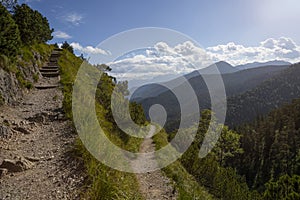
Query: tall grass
x=103 y=182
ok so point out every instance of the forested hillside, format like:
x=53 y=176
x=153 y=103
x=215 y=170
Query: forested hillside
x=235 y=84
x=271 y=94
x=271 y=151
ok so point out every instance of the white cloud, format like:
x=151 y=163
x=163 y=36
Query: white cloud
x=74 y=18
x=161 y=60
x=61 y=34
x=271 y=49
x=88 y=49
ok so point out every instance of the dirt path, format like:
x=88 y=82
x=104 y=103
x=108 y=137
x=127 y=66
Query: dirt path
x=36 y=139
x=154 y=185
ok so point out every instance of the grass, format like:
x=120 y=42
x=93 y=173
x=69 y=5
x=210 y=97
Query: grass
x=22 y=81
x=28 y=57
x=35 y=77
x=7 y=64
x=36 y=54
x=186 y=185
x=103 y=182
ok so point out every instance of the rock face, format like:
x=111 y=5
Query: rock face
x=10 y=88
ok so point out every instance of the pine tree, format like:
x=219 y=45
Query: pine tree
x=34 y=28
x=9 y=34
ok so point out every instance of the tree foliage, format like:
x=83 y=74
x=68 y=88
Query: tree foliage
x=9 y=34
x=212 y=171
x=285 y=188
x=68 y=47
x=271 y=145
x=33 y=26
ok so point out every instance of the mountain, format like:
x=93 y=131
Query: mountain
x=223 y=67
x=153 y=89
x=270 y=94
x=235 y=83
x=261 y=64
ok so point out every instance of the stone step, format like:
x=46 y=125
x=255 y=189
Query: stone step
x=45 y=87
x=55 y=53
x=55 y=69
x=50 y=74
x=52 y=63
x=53 y=60
x=58 y=49
x=50 y=67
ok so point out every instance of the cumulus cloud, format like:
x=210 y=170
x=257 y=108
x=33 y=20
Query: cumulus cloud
x=161 y=60
x=271 y=49
x=88 y=49
x=74 y=18
x=61 y=35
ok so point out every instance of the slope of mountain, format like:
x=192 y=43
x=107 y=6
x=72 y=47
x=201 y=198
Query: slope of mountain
x=261 y=64
x=269 y=95
x=153 y=89
x=235 y=83
x=223 y=67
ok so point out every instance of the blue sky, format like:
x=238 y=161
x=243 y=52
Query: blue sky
x=235 y=31
x=209 y=22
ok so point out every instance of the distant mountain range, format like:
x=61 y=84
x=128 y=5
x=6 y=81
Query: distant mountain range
x=261 y=64
x=216 y=68
x=237 y=81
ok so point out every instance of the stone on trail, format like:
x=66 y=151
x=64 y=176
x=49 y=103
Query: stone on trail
x=19 y=165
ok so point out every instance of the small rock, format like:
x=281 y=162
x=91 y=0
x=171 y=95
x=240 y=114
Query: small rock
x=4 y=131
x=3 y=172
x=60 y=117
x=16 y=165
x=39 y=118
x=32 y=159
x=6 y=122
x=22 y=130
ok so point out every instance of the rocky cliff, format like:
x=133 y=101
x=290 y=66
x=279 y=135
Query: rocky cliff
x=18 y=79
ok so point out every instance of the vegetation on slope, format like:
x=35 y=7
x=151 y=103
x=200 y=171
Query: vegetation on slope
x=272 y=147
x=103 y=182
x=269 y=95
x=23 y=33
x=186 y=185
x=213 y=171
